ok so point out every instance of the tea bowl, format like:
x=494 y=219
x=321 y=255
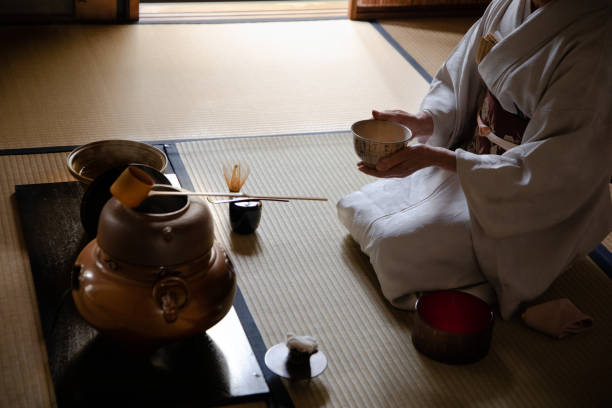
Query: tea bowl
x=452 y=327
x=374 y=139
x=88 y=161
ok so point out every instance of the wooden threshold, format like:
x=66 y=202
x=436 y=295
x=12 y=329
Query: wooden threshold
x=382 y=9
x=96 y=11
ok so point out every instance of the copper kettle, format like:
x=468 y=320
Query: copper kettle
x=154 y=274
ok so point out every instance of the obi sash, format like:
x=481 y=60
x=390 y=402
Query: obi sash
x=498 y=130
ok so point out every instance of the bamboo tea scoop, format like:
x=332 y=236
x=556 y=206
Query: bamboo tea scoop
x=133 y=186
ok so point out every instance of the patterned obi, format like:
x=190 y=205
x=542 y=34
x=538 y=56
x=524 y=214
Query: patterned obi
x=498 y=130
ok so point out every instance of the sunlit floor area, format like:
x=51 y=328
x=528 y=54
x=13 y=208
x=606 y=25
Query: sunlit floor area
x=241 y=10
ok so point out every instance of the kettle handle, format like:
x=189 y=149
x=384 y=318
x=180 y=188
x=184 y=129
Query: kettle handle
x=171 y=294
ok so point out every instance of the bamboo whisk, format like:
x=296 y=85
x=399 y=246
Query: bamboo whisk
x=235 y=175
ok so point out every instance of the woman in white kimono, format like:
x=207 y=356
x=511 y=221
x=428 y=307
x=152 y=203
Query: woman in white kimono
x=513 y=182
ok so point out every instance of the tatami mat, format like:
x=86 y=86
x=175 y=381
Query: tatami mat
x=302 y=273
x=429 y=40
x=68 y=85
x=25 y=380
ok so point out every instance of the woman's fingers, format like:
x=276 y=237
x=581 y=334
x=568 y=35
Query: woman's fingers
x=395 y=115
x=402 y=170
x=367 y=170
x=399 y=164
x=394 y=159
x=420 y=123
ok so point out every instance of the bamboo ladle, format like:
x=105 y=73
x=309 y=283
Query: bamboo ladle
x=133 y=186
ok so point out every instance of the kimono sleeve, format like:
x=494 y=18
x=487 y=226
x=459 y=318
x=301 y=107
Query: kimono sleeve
x=454 y=92
x=540 y=205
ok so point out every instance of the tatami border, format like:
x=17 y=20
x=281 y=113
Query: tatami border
x=279 y=395
x=63 y=149
x=402 y=51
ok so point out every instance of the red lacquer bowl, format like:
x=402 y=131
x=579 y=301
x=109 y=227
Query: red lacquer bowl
x=452 y=327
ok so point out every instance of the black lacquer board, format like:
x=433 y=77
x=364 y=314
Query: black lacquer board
x=215 y=368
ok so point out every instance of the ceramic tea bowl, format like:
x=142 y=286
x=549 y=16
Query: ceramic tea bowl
x=87 y=162
x=374 y=139
x=452 y=327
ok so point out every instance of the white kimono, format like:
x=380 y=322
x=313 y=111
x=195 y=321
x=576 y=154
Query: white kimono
x=518 y=219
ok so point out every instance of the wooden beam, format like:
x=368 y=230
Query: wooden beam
x=133 y=10
x=95 y=10
x=380 y=9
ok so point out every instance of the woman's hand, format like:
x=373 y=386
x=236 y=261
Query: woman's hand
x=406 y=161
x=421 y=124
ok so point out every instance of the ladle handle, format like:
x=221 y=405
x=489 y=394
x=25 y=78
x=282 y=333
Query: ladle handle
x=190 y=193
x=217 y=194
x=262 y=197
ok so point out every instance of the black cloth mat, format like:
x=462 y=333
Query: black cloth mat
x=88 y=370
